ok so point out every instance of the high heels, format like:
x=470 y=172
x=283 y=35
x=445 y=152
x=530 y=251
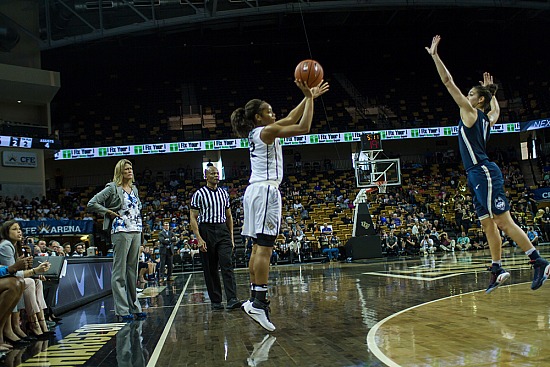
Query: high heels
x=30 y=338
x=33 y=329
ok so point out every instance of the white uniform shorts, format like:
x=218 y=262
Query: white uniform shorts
x=262 y=206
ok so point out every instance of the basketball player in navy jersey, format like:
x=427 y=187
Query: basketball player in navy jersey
x=479 y=111
x=262 y=200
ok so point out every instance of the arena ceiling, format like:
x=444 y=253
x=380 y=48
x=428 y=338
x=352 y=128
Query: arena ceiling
x=67 y=22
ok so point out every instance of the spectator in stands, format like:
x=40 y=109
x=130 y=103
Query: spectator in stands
x=520 y=221
x=41 y=244
x=275 y=254
x=463 y=242
x=120 y=206
x=294 y=247
x=479 y=111
x=447 y=244
x=304 y=214
x=193 y=242
x=427 y=245
x=392 y=244
x=147 y=233
x=533 y=236
x=67 y=250
x=297 y=207
x=12 y=248
x=79 y=250
x=479 y=240
x=327 y=249
x=54 y=247
x=326 y=229
x=421 y=217
x=409 y=245
x=347 y=219
x=414 y=229
x=465 y=220
x=395 y=221
x=59 y=251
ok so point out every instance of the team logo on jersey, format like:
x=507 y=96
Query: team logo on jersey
x=270 y=226
x=500 y=204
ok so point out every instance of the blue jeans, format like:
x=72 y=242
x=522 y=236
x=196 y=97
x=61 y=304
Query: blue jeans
x=332 y=253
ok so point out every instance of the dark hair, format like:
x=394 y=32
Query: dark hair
x=242 y=119
x=5 y=230
x=487 y=92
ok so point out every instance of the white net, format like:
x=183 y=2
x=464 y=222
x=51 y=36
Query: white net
x=382 y=185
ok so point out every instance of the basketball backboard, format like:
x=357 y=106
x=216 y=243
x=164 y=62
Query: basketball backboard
x=369 y=172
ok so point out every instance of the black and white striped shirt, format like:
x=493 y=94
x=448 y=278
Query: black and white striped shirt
x=211 y=204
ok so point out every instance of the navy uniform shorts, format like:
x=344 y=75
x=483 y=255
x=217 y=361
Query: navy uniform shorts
x=487 y=187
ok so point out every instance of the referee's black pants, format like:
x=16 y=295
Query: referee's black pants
x=219 y=253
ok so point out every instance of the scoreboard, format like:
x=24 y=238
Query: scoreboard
x=371 y=141
x=29 y=143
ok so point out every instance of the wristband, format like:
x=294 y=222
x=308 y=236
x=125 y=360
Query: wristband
x=33 y=272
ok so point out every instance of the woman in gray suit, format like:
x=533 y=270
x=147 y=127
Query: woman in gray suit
x=119 y=203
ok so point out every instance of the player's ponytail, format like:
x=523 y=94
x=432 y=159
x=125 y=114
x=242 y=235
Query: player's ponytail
x=492 y=88
x=487 y=92
x=243 y=119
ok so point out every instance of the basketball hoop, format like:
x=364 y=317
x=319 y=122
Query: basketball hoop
x=382 y=185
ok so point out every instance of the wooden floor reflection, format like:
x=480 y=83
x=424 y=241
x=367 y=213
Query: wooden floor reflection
x=419 y=312
x=428 y=311
x=507 y=328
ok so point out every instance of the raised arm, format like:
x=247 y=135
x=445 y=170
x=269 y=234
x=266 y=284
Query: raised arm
x=468 y=113
x=278 y=130
x=294 y=115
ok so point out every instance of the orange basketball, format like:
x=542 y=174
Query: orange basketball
x=309 y=71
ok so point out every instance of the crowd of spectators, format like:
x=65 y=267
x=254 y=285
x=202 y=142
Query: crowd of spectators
x=432 y=211
x=432 y=200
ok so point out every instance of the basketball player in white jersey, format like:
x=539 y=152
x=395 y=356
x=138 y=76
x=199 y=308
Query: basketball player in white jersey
x=262 y=199
x=479 y=111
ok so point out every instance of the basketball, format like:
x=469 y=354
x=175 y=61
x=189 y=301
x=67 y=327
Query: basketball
x=309 y=71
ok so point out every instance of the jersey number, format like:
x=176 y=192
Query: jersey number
x=252 y=147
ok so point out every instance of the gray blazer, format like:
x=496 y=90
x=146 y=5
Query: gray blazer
x=110 y=198
x=7 y=253
x=166 y=242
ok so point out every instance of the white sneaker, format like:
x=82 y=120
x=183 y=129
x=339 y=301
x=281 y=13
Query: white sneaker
x=244 y=304
x=261 y=351
x=259 y=312
x=139 y=290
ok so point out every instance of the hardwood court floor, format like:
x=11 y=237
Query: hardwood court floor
x=428 y=311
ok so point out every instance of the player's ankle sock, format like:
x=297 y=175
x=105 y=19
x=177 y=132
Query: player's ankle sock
x=533 y=254
x=261 y=292
x=252 y=290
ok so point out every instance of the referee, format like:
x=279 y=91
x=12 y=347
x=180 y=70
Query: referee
x=212 y=223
